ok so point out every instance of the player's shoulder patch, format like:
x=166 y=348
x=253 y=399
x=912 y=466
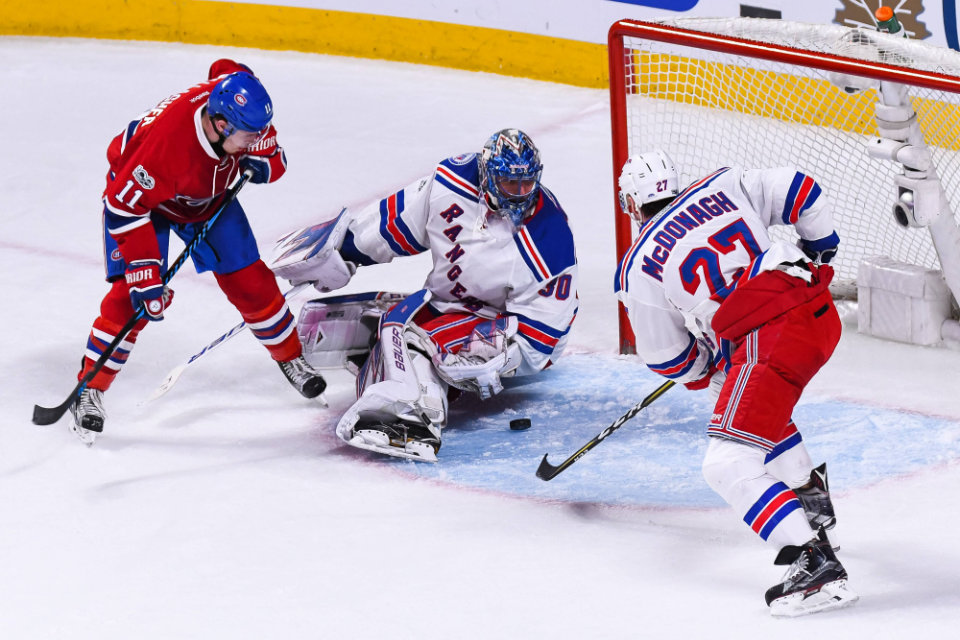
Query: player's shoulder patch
x=460 y=174
x=545 y=240
x=463 y=159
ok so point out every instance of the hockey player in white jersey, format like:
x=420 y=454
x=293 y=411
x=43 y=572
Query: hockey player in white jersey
x=714 y=302
x=499 y=300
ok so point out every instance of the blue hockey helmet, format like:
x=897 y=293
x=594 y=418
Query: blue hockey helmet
x=242 y=101
x=510 y=171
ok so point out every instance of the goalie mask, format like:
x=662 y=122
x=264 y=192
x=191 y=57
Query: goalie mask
x=647 y=177
x=510 y=174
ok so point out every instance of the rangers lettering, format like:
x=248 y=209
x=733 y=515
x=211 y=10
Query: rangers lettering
x=453 y=233
x=454 y=254
x=453 y=211
x=458 y=291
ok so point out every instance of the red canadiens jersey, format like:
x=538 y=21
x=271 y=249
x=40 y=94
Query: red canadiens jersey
x=162 y=162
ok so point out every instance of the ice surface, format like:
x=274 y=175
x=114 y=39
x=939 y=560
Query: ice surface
x=228 y=509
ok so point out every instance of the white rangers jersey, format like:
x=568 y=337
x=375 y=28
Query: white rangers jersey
x=688 y=258
x=481 y=263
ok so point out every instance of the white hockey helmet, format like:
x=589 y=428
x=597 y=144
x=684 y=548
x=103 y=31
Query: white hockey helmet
x=647 y=177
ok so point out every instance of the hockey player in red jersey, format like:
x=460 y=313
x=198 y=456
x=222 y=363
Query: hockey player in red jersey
x=715 y=302
x=169 y=169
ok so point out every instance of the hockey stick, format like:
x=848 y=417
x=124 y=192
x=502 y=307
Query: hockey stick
x=49 y=415
x=547 y=471
x=175 y=373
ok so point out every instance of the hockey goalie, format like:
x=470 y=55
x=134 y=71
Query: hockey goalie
x=498 y=302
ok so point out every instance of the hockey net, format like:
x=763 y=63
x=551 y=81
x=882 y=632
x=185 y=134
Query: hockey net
x=762 y=93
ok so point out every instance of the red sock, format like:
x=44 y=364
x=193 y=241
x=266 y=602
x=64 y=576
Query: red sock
x=253 y=291
x=115 y=310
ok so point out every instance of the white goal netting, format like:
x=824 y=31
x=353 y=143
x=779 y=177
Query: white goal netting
x=709 y=109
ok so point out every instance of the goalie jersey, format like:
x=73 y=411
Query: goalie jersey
x=482 y=264
x=687 y=259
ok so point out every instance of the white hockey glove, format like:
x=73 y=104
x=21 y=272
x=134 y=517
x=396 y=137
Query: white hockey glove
x=313 y=255
x=489 y=355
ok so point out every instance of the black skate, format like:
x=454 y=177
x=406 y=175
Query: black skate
x=817 y=504
x=398 y=438
x=816 y=500
x=303 y=377
x=815 y=581
x=88 y=415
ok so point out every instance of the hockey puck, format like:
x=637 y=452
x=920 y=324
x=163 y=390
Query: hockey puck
x=520 y=424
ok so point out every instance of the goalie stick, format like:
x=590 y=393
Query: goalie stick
x=50 y=415
x=177 y=371
x=547 y=471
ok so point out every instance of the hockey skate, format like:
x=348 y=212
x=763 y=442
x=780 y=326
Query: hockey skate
x=400 y=438
x=817 y=504
x=815 y=581
x=88 y=415
x=303 y=377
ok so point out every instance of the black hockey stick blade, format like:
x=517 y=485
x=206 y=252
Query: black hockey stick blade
x=44 y=416
x=48 y=415
x=547 y=471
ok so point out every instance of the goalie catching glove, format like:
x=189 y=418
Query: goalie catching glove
x=488 y=355
x=313 y=255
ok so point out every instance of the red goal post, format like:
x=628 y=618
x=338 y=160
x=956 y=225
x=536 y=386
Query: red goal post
x=760 y=93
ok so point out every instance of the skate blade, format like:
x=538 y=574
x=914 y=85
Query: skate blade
x=833 y=595
x=412 y=451
x=86 y=436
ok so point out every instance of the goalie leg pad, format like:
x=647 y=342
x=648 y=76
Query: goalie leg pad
x=333 y=330
x=401 y=418
x=402 y=404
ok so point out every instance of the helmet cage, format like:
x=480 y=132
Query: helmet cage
x=510 y=171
